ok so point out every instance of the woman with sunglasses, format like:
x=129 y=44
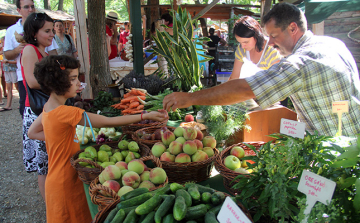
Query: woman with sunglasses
x=253 y=52
x=38 y=34
x=64 y=41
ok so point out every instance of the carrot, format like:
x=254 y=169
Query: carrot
x=140 y=107
x=134 y=104
x=134 y=101
x=122 y=107
x=128 y=99
x=136 y=112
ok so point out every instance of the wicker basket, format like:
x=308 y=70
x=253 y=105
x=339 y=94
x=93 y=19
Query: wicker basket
x=102 y=215
x=134 y=127
x=96 y=190
x=149 y=130
x=86 y=174
x=229 y=175
x=192 y=171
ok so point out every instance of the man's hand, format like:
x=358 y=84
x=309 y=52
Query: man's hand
x=177 y=100
x=20 y=48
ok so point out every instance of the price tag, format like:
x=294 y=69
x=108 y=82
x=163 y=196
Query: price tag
x=316 y=188
x=231 y=213
x=340 y=107
x=292 y=128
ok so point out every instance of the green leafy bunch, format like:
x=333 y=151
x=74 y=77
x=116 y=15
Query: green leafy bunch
x=180 y=51
x=271 y=190
x=102 y=102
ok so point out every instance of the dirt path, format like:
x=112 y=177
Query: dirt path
x=20 y=199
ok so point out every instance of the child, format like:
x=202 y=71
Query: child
x=64 y=192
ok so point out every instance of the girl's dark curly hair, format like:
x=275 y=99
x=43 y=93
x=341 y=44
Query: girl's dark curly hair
x=51 y=77
x=33 y=23
x=247 y=27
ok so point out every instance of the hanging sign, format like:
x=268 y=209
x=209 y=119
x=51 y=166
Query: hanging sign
x=316 y=188
x=292 y=128
x=340 y=107
x=231 y=213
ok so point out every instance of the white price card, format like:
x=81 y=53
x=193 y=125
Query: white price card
x=231 y=213
x=316 y=188
x=292 y=128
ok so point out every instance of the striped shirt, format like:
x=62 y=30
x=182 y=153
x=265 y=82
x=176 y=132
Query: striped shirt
x=319 y=71
x=271 y=55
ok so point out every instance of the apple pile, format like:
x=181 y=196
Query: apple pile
x=152 y=136
x=184 y=145
x=106 y=156
x=234 y=162
x=124 y=177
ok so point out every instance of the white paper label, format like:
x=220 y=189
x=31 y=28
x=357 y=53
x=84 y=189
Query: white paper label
x=292 y=128
x=231 y=213
x=340 y=106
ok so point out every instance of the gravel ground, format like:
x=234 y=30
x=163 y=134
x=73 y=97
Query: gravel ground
x=20 y=198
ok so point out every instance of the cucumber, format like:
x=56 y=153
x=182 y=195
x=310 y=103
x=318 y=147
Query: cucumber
x=149 y=205
x=131 y=217
x=127 y=210
x=175 y=186
x=149 y=218
x=216 y=209
x=134 y=193
x=111 y=215
x=217 y=198
x=186 y=195
x=210 y=218
x=206 y=197
x=135 y=200
x=194 y=192
x=119 y=217
x=142 y=217
x=196 y=212
x=162 y=190
x=169 y=218
x=192 y=221
x=180 y=208
x=201 y=188
x=165 y=206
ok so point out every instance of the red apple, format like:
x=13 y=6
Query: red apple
x=189 y=118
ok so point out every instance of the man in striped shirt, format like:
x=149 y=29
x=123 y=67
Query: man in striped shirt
x=315 y=71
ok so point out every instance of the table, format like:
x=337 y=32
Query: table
x=120 y=68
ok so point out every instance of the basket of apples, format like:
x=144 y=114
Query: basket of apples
x=232 y=162
x=185 y=154
x=143 y=124
x=116 y=180
x=150 y=135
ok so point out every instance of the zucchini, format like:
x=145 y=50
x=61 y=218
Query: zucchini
x=149 y=205
x=134 y=193
x=180 y=208
x=119 y=217
x=186 y=195
x=149 y=218
x=165 y=206
x=206 y=197
x=216 y=209
x=175 y=186
x=194 y=192
x=201 y=188
x=111 y=215
x=217 y=198
x=196 y=212
x=169 y=218
x=210 y=218
x=131 y=217
x=135 y=200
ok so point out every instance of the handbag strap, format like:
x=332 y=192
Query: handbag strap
x=92 y=130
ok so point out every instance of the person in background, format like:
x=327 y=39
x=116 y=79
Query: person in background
x=38 y=33
x=313 y=73
x=1 y=66
x=168 y=21
x=121 y=29
x=122 y=39
x=213 y=47
x=111 y=34
x=13 y=48
x=64 y=41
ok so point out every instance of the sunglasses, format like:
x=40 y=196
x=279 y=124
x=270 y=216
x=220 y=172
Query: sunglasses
x=58 y=21
x=39 y=16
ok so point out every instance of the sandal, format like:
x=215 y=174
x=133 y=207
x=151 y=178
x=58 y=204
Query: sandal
x=1 y=103
x=5 y=109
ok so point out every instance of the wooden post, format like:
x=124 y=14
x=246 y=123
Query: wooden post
x=266 y=6
x=137 y=40
x=318 y=28
x=82 y=45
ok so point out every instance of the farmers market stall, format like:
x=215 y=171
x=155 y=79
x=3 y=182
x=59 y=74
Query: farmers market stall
x=120 y=68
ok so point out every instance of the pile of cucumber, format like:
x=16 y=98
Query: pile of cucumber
x=188 y=203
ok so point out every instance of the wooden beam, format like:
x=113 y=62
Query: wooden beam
x=202 y=6
x=82 y=45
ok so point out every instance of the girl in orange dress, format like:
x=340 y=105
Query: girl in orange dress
x=64 y=192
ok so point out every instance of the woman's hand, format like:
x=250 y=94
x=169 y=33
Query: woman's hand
x=160 y=115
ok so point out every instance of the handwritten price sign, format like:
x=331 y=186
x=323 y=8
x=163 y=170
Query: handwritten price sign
x=231 y=213
x=316 y=188
x=292 y=128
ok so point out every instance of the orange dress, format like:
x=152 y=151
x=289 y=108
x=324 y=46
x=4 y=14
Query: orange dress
x=64 y=191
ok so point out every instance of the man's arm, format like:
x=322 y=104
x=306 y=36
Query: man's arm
x=231 y=92
x=13 y=54
x=53 y=52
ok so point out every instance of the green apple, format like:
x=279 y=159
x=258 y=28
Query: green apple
x=232 y=162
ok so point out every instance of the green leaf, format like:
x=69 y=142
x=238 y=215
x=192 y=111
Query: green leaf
x=348 y=182
x=345 y=163
x=357 y=196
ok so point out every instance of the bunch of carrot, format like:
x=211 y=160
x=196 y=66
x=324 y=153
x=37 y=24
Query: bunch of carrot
x=132 y=102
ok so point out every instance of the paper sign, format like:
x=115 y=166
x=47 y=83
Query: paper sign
x=316 y=188
x=231 y=213
x=292 y=128
x=340 y=106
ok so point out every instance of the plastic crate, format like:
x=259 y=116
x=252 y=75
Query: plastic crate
x=222 y=76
